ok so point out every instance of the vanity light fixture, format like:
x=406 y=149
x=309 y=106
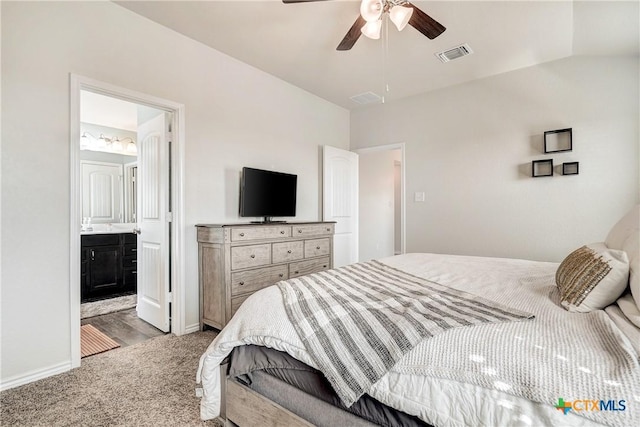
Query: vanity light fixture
x=101 y=141
x=132 y=147
x=118 y=145
x=106 y=143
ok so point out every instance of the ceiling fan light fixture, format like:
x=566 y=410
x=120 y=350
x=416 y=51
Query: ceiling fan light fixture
x=400 y=16
x=372 y=29
x=371 y=10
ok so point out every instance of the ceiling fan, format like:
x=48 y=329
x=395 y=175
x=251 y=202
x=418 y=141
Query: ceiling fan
x=369 y=21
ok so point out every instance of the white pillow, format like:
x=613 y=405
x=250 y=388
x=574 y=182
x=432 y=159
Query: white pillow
x=628 y=307
x=625 y=235
x=592 y=277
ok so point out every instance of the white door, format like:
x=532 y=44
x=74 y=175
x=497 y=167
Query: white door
x=101 y=192
x=340 y=202
x=152 y=218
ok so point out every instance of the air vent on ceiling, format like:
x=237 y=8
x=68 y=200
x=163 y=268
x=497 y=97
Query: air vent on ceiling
x=454 y=53
x=366 y=98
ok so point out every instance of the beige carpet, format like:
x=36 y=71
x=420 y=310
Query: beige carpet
x=92 y=341
x=146 y=384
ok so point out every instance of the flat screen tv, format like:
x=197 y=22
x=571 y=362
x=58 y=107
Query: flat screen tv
x=267 y=194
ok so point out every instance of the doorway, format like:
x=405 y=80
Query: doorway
x=118 y=204
x=381 y=202
x=112 y=132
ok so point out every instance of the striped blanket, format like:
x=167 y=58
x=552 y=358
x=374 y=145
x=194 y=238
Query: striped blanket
x=357 y=321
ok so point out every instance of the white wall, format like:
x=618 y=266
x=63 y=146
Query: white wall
x=236 y=116
x=470 y=147
x=377 y=210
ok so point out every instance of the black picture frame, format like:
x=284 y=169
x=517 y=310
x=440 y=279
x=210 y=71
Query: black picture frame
x=540 y=168
x=570 y=168
x=557 y=141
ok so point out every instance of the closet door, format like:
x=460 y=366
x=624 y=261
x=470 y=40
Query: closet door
x=340 y=202
x=101 y=192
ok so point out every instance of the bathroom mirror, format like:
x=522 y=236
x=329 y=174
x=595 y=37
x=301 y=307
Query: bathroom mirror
x=108 y=166
x=108 y=188
x=108 y=159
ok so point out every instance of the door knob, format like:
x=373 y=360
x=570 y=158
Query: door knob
x=137 y=230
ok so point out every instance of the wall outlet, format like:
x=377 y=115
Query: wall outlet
x=418 y=196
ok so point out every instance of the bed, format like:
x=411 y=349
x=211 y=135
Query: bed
x=550 y=356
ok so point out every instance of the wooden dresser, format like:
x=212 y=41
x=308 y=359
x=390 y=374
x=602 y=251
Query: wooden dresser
x=236 y=260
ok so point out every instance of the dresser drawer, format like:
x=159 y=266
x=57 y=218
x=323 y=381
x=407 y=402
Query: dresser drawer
x=312 y=230
x=316 y=247
x=258 y=233
x=307 y=267
x=287 y=251
x=250 y=256
x=252 y=280
x=130 y=263
x=130 y=250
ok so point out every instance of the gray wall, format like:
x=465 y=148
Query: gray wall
x=235 y=115
x=470 y=147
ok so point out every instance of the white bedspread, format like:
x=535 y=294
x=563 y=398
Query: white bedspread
x=510 y=374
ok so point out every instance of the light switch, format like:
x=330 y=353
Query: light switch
x=418 y=196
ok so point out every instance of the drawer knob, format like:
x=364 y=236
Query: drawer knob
x=289 y=251
x=282 y=232
x=296 y=272
x=253 y=256
x=281 y=275
x=241 y=234
x=318 y=247
x=241 y=283
x=299 y=230
x=328 y=229
x=324 y=266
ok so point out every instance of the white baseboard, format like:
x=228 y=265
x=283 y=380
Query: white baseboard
x=192 y=328
x=34 y=375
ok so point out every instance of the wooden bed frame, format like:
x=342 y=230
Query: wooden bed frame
x=241 y=406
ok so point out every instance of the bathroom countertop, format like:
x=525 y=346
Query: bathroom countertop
x=106 y=229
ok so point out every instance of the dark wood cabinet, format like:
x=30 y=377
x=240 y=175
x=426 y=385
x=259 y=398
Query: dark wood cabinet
x=108 y=265
x=130 y=261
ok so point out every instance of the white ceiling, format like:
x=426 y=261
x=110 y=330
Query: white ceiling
x=111 y=112
x=106 y=111
x=296 y=42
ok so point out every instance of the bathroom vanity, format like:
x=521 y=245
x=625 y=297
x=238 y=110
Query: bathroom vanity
x=108 y=264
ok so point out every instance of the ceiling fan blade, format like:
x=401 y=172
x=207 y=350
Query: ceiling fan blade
x=352 y=35
x=424 y=23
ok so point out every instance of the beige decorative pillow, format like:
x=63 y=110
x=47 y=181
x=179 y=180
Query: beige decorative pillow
x=592 y=277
